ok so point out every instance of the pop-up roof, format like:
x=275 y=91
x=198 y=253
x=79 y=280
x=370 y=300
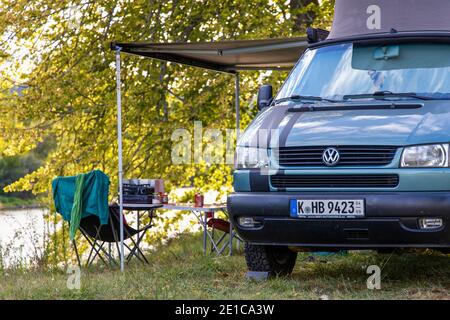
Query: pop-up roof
x=363 y=17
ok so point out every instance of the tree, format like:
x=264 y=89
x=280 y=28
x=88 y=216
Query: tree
x=60 y=51
x=303 y=13
x=70 y=92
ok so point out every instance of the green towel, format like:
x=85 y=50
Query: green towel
x=75 y=215
x=77 y=197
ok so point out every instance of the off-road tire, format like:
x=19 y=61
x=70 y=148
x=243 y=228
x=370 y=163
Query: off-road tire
x=277 y=260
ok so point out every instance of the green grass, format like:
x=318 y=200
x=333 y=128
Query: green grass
x=14 y=203
x=178 y=270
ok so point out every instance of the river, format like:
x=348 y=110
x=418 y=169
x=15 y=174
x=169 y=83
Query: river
x=22 y=236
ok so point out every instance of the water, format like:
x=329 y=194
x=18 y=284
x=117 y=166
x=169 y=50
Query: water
x=22 y=236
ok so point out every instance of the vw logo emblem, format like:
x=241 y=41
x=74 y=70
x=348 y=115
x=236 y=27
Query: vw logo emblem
x=330 y=157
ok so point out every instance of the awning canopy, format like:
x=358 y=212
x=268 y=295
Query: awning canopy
x=225 y=56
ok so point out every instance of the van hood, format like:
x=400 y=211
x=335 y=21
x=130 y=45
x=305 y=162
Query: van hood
x=429 y=123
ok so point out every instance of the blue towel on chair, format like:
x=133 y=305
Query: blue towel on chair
x=95 y=195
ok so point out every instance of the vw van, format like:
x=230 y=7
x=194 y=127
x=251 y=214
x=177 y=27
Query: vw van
x=353 y=150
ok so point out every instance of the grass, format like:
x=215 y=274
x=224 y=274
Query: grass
x=178 y=270
x=16 y=203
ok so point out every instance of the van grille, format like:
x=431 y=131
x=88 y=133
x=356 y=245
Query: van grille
x=349 y=156
x=335 y=181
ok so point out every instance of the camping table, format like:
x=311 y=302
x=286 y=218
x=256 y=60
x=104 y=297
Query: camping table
x=201 y=213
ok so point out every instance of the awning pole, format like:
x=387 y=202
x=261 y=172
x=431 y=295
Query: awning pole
x=119 y=143
x=238 y=115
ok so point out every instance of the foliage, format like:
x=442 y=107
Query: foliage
x=58 y=54
x=66 y=64
x=14 y=167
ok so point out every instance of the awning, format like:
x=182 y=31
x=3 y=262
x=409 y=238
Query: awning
x=225 y=56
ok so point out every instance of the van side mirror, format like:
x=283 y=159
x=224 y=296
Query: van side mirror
x=265 y=96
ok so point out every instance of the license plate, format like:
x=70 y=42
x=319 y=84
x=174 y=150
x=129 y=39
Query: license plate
x=327 y=208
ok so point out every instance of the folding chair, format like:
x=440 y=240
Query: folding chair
x=98 y=235
x=224 y=227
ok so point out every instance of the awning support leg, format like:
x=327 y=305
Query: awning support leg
x=238 y=115
x=119 y=143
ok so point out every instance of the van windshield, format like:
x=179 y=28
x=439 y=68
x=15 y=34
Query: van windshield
x=337 y=71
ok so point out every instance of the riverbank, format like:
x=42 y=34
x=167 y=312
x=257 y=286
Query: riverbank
x=14 y=203
x=178 y=270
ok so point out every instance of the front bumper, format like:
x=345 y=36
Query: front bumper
x=391 y=220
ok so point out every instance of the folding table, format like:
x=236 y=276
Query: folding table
x=201 y=213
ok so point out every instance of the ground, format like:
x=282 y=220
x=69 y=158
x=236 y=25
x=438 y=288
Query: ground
x=178 y=270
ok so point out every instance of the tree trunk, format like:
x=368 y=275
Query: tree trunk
x=304 y=19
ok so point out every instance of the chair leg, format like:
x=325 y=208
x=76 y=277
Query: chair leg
x=90 y=253
x=116 y=240
x=110 y=254
x=94 y=245
x=139 y=251
x=76 y=252
x=225 y=245
x=213 y=236
x=97 y=251
x=219 y=241
x=132 y=253
x=136 y=252
x=136 y=247
x=212 y=241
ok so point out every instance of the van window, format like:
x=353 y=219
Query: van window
x=346 y=69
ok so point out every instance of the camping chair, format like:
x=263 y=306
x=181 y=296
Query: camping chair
x=86 y=195
x=98 y=235
x=224 y=227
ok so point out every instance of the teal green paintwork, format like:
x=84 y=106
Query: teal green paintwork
x=241 y=181
x=429 y=124
x=399 y=127
x=410 y=179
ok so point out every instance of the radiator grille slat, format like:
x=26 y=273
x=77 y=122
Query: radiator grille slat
x=349 y=155
x=335 y=181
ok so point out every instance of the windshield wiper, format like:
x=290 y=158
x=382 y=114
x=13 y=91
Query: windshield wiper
x=300 y=98
x=386 y=94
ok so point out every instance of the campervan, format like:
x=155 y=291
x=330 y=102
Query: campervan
x=352 y=152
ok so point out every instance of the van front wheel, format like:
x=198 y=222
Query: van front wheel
x=277 y=260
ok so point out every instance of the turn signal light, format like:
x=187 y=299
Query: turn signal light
x=249 y=222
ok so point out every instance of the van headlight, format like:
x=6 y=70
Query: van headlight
x=250 y=157
x=425 y=156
